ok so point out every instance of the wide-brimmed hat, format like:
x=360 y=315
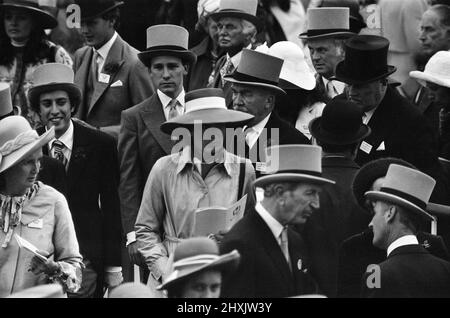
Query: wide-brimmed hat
x=195 y=255
x=92 y=9
x=238 y=9
x=295 y=72
x=207 y=106
x=406 y=187
x=18 y=140
x=366 y=60
x=293 y=163
x=340 y=124
x=53 y=77
x=258 y=69
x=436 y=71
x=167 y=39
x=39 y=8
x=327 y=22
x=356 y=20
x=6 y=107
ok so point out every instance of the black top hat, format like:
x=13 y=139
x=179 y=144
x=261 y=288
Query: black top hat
x=356 y=20
x=41 y=12
x=340 y=124
x=91 y=9
x=365 y=60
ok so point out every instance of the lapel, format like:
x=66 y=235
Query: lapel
x=81 y=78
x=115 y=57
x=45 y=150
x=153 y=116
x=274 y=122
x=78 y=159
x=424 y=100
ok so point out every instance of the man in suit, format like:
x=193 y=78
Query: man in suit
x=410 y=271
x=398 y=128
x=52 y=172
x=141 y=142
x=339 y=132
x=327 y=30
x=274 y=262
x=237 y=26
x=90 y=158
x=107 y=70
x=254 y=92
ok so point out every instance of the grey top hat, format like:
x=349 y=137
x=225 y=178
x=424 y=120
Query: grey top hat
x=167 y=39
x=328 y=22
x=243 y=9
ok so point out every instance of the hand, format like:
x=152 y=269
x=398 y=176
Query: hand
x=38 y=265
x=135 y=255
x=113 y=279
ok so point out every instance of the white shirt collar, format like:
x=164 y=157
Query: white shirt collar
x=254 y=132
x=165 y=100
x=66 y=138
x=271 y=222
x=236 y=59
x=340 y=86
x=368 y=116
x=104 y=50
x=403 y=241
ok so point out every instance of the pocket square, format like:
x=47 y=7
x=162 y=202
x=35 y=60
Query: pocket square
x=117 y=84
x=382 y=147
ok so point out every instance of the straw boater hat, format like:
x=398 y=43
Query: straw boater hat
x=258 y=69
x=18 y=140
x=208 y=107
x=356 y=20
x=35 y=7
x=340 y=124
x=91 y=9
x=293 y=163
x=406 y=187
x=5 y=100
x=366 y=60
x=327 y=23
x=295 y=72
x=436 y=71
x=53 y=77
x=196 y=255
x=167 y=39
x=242 y=9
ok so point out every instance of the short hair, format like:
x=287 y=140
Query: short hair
x=270 y=189
x=409 y=219
x=74 y=100
x=248 y=28
x=444 y=13
x=113 y=15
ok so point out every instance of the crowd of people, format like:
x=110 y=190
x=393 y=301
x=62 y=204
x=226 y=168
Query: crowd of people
x=329 y=119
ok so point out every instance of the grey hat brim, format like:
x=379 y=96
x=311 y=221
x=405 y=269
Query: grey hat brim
x=291 y=177
x=186 y=56
x=305 y=36
x=239 y=15
x=35 y=92
x=274 y=88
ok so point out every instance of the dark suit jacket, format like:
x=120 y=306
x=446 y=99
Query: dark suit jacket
x=53 y=174
x=263 y=271
x=217 y=82
x=109 y=100
x=93 y=179
x=411 y=272
x=358 y=252
x=141 y=144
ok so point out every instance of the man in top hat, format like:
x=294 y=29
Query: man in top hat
x=255 y=88
x=200 y=173
x=409 y=271
x=339 y=132
x=90 y=159
x=238 y=25
x=274 y=262
x=398 y=128
x=141 y=142
x=107 y=70
x=52 y=172
x=327 y=30
x=199 y=270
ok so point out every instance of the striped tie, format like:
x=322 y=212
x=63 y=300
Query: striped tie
x=58 y=154
x=173 y=112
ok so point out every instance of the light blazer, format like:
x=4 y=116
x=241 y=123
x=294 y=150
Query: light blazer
x=141 y=144
x=129 y=84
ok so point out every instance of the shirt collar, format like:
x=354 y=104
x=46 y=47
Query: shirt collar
x=259 y=127
x=403 y=241
x=104 y=50
x=236 y=59
x=66 y=138
x=275 y=227
x=340 y=86
x=368 y=116
x=165 y=100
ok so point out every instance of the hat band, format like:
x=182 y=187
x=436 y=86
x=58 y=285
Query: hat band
x=241 y=77
x=195 y=260
x=20 y=141
x=325 y=31
x=295 y=171
x=166 y=48
x=205 y=103
x=408 y=197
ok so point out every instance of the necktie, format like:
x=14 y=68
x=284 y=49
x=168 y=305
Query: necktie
x=284 y=246
x=58 y=154
x=227 y=69
x=173 y=108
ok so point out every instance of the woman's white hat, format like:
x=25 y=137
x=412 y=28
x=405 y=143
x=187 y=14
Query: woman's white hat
x=436 y=71
x=18 y=140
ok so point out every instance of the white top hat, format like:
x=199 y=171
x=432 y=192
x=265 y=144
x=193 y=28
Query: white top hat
x=436 y=71
x=327 y=22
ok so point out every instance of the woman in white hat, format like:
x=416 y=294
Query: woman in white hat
x=34 y=212
x=24 y=46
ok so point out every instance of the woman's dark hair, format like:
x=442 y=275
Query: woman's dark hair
x=37 y=47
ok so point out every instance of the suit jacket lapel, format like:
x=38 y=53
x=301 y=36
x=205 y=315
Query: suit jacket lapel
x=78 y=159
x=153 y=116
x=115 y=56
x=81 y=77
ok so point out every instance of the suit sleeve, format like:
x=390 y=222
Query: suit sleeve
x=249 y=188
x=110 y=205
x=140 y=85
